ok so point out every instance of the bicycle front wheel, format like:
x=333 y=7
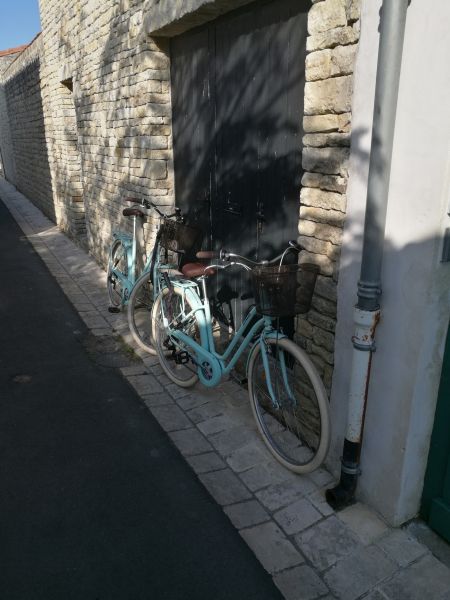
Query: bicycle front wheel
x=290 y=404
x=169 y=312
x=117 y=262
x=139 y=313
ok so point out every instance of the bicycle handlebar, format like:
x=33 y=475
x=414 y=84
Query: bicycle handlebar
x=224 y=255
x=149 y=205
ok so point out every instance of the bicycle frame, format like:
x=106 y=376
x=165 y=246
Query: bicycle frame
x=129 y=243
x=213 y=365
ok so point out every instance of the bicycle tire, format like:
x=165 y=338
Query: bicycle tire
x=181 y=374
x=298 y=435
x=117 y=261
x=139 y=313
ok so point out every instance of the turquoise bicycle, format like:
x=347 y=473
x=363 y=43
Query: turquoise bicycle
x=137 y=294
x=287 y=396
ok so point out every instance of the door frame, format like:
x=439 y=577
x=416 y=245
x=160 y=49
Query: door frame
x=439 y=454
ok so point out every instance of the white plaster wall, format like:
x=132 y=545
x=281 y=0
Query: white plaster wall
x=416 y=285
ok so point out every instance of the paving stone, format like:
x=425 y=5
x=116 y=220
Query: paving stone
x=83 y=305
x=321 y=477
x=170 y=417
x=246 y=514
x=425 y=579
x=150 y=361
x=300 y=583
x=376 y=595
x=145 y=384
x=225 y=487
x=215 y=425
x=200 y=409
x=229 y=441
x=426 y=536
x=297 y=517
x=327 y=542
x=95 y=322
x=318 y=500
x=364 y=522
x=151 y=400
x=134 y=370
x=204 y=463
x=155 y=370
x=102 y=332
x=401 y=547
x=232 y=388
x=358 y=573
x=190 y=442
x=281 y=494
x=243 y=416
x=176 y=391
x=237 y=400
x=271 y=547
x=199 y=395
x=248 y=456
x=263 y=475
x=81 y=298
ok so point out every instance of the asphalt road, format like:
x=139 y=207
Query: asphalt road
x=95 y=501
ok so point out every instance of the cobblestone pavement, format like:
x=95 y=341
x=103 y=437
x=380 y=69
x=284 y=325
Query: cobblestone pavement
x=311 y=552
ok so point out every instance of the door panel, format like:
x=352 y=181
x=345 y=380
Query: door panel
x=237 y=92
x=436 y=492
x=193 y=125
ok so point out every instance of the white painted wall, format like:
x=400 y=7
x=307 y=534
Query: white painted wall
x=416 y=285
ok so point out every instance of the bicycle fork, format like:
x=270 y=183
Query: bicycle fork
x=281 y=361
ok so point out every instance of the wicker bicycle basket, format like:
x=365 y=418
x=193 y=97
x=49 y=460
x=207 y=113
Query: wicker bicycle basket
x=284 y=290
x=178 y=237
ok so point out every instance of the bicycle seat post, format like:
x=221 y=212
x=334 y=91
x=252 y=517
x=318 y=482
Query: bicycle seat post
x=133 y=251
x=139 y=237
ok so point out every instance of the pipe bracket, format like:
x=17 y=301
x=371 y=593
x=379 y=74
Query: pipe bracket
x=372 y=347
x=350 y=469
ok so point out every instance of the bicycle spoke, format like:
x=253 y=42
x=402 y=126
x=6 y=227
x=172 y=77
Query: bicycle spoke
x=289 y=416
x=172 y=313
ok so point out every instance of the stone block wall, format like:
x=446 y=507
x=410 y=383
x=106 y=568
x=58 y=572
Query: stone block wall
x=7 y=166
x=121 y=112
x=333 y=34
x=106 y=104
x=23 y=131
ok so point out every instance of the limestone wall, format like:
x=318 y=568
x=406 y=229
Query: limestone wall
x=120 y=120
x=22 y=127
x=333 y=28
x=7 y=167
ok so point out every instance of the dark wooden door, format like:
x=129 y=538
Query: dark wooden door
x=237 y=93
x=436 y=492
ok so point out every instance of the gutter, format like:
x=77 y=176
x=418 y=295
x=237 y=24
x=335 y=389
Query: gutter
x=367 y=310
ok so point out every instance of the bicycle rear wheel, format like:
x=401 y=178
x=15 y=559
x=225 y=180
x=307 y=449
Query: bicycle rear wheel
x=117 y=262
x=295 y=422
x=139 y=313
x=169 y=311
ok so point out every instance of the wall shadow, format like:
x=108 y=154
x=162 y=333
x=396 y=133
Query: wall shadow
x=25 y=112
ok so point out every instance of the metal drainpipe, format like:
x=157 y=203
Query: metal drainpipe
x=367 y=310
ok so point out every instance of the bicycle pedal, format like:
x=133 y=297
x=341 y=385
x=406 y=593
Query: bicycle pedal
x=113 y=309
x=181 y=358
